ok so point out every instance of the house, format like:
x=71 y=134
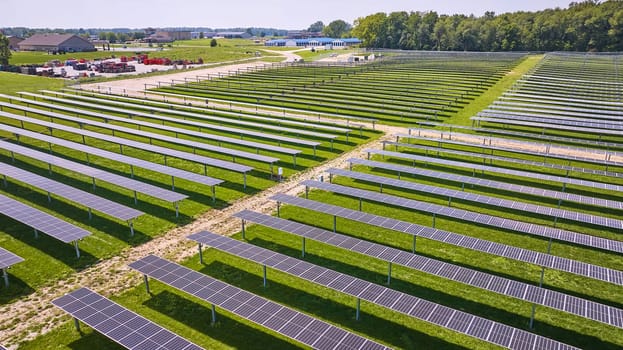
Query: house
x=14 y=41
x=56 y=43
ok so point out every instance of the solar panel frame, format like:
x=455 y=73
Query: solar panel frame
x=556 y=262
x=86 y=199
x=126 y=142
x=417 y=262
x=546 y=125
x=594 y=124
x=294 y=325
x=8 y=259
x=118 y=323
x=41 y=221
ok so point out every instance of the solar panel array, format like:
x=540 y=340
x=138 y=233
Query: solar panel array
x=546 y=125
x=557 y=116
x=482 y=199
x=280 y=121
x=573 y=111
x=170 y=128
x=126 y=142
x=170 y=110
x=484 y=219
x=421 y=309
x=121 y=325
x=554 y=262
x=551 y=120
x=163 y=169
x=8 y=259
x=86 y=199
x=283 y=320
x=606 y=203
x=491 y=158
x=504 y=286
x=537 y=176
x=150 y=135
x=40 y=221
x=545 y=152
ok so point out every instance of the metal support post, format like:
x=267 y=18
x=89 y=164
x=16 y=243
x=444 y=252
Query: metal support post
x=146 y=279
x=303 y=248
x=77 y=324
x=389 y=273
x=243 y=230
x=5 y=276
x=264 y=273
x=77 y=249
x=334 y=223
x=358 y=312
x=213 y=315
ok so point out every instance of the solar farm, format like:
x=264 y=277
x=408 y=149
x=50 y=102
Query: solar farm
x=324 y=206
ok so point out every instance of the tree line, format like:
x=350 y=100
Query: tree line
x=583 y=26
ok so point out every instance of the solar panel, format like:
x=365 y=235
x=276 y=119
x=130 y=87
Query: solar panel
x=126 y=142
x=491 y=184
x=516 y=96
x=150 y=135
x=283 y=320
x=122 y=181
x=86 y=199
x=252 y=144
x=546 y=125
x=175 y=129
x=40 y=221
x=546 y=108
x=8 y=259
x=545 y=260
x=491 y=158
x=484 y=219
x=313 y=125
x=373 y=293
x=537 y=176
x=473 y=197
x=594 y=115
x=170 y=110
x=609 y=125
x=119 y=324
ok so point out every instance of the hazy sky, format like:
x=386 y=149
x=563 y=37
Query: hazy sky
x=291 y=14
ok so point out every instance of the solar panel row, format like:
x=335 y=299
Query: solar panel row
x=170 y=110
x=561 y=196
x=283 y=320
x=169 y=127
x=474 y=278
x=86 y=199
x=544 y=150
x=205 y=161
x=149 y=135
x=484 y=219
x=545 y=125
x=537 y=176
x=538 y=107
x=94 y=173
x=121 y=325
x=40 y=221
x=548 y=120
x=491 y=158
x=563 y=113
x=473 y=197
x=421 y=309
x=8 y=259
x=515 y=253
x=163 y=169
x=236 y=115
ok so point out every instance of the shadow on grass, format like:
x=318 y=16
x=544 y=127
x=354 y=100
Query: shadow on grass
x=17 y=289
x=93 y=341
x=395 y=334
x=226 y=330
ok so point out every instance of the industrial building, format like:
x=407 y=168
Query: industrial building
x=56 y=43
x=314 y=42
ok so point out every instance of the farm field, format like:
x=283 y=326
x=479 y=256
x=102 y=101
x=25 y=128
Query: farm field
x=514 y=227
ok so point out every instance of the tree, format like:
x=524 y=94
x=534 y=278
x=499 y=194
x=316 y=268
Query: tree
x=316 y=27
x=213 y=43
x=5 y=51
x=201 y=35
x=336 y=29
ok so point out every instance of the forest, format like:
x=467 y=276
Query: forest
x=588 y=26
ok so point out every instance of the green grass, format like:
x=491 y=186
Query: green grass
x=10 y=83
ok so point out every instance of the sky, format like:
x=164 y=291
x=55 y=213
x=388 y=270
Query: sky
x=279 y=14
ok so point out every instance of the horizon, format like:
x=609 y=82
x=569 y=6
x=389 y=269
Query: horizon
x=277 y=14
